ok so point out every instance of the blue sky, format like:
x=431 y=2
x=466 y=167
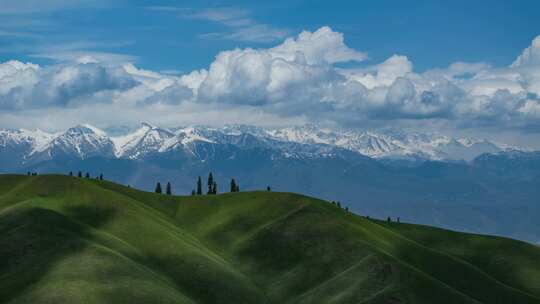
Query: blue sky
x=430 y=33
x=467 y=67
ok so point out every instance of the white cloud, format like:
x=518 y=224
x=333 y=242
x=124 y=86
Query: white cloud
x=299 y=76
x=15 y=74
x=294 y=81
x=383 y=74
x=530 y=56
x=321 y=46
x=24 y=86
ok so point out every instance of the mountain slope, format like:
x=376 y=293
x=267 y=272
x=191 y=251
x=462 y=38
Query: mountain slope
x=65 y=239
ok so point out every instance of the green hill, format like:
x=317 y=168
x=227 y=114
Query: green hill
x=71 y=240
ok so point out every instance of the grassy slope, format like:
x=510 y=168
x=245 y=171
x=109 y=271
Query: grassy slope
x=74 y=240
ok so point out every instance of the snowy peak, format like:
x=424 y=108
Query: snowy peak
x=34 y=140
x=146 y=139
x=363 y=142
x=84 y=141
x=86 y=129
x=189 y=135
x=388 y=143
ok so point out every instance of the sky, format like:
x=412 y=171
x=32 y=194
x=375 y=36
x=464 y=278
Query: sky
x=471 y=69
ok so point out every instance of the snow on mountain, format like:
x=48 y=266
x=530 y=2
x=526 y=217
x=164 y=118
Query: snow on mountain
x=85 y=141
x=189 y=135
x=391 y=143
x=82 y=141
x=36 y=140
x=145 y=140
x=149 y=139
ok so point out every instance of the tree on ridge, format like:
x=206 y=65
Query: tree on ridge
x=168 y=189
x=210 y=183
x=199 y=186
x=233 y=185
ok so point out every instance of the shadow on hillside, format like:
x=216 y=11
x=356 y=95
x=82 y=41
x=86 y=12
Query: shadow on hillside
x=453 y=271
x=496 y=257
x=33 y=240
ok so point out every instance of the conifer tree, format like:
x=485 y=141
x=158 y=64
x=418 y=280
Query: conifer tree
x=268 y=188
x=214 y=188
x=199 y=186
x=233 y=185
x=87 y=175
x=210 y=183
x=158 y=187
x=339 y=204
x=79 y=174
x=168 y=189
x=70 y=173
x=389 y=219
x=101 y=176
x=398 y=219
x=28 y=173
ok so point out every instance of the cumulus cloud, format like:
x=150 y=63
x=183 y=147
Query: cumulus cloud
x=530 y=56
x=26 y=85
x=383 y=74
x=321 y=46
x=297 y=80
x=297 y=71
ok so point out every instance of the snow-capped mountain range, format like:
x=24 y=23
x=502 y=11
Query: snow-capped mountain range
x=85 y=141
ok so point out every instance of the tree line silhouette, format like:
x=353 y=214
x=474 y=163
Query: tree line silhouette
x=87 y=175
x=211 y=190
x=212 y=186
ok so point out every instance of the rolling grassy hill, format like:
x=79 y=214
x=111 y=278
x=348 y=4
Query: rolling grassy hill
x=71 y=240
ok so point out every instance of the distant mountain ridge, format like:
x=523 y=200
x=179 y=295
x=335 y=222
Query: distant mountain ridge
x=85 y=141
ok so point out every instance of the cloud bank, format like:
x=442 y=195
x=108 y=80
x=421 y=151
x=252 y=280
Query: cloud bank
x=303 y=79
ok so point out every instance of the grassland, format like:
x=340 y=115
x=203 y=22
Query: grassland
x=72 y=240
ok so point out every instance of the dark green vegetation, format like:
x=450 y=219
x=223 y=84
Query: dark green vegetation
x=72 y=240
